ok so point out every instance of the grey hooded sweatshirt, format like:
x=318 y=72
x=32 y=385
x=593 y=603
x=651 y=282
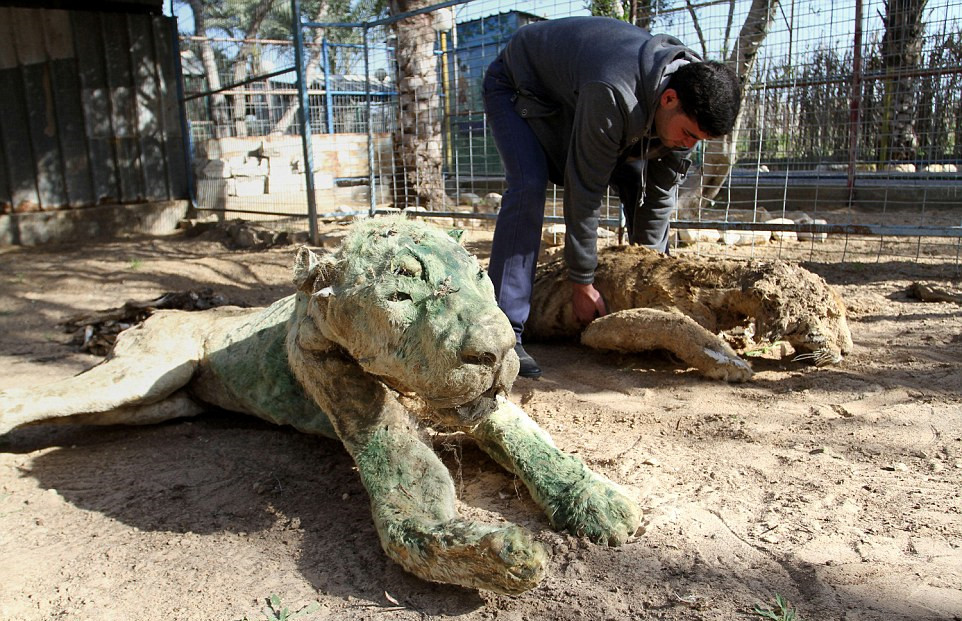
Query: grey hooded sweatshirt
x=588 y=87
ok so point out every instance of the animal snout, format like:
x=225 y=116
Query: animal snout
x=486 y=342
x=475 y=351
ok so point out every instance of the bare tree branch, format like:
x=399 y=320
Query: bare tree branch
x=697 y=25
x=703 y=184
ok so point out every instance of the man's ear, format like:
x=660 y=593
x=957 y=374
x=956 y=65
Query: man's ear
x=311 y=271
x=669 y=99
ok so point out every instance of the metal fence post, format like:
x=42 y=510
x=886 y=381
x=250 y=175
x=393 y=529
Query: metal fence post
x=370 y=125
x=182 y=113
x=304 y=120
x=328 y=97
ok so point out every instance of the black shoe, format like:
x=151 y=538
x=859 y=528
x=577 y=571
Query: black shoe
x=529 y=368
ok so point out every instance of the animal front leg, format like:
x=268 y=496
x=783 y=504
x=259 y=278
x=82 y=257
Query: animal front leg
x=413 y=499
x=574 y=498
x=643 y=329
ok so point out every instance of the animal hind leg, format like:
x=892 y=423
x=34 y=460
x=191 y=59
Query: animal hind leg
x=177 y=405
x=643 y=329
x=148 y=365
x=573 y=497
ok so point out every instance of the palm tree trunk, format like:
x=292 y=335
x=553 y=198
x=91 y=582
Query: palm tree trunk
x=218 y=101
x=901 y=52
x=240 y=64
x=311 y=69
x=418 y=158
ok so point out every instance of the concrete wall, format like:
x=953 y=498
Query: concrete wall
x=92 y=223
x=274 y=165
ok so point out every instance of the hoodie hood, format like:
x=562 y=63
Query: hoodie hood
x=658 y=58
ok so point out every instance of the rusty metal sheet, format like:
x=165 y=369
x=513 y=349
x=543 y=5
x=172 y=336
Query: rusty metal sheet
x=90 y=112
x=95 y=103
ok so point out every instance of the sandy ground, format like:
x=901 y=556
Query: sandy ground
x=837 y=488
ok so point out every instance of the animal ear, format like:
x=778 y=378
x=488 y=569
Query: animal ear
x=311 y=271
x=305 y=268
x=457 y=235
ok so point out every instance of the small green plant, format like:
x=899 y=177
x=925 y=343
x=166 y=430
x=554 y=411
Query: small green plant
x=783 y=610
x=275 y=611
x=135 y=264
x=762 y=349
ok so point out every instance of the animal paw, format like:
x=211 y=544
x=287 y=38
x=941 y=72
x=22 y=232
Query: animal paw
x=726 y=366
x=502 y=559
x=596 y=508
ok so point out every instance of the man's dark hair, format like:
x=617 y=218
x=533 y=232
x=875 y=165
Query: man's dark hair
x=710 y=93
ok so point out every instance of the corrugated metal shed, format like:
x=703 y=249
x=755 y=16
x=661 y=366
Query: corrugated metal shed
x=88 y=110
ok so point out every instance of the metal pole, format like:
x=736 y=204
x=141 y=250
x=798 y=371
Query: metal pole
x=304 y=121
x=855 y=104
x=182 y=105
x=446 y=104
x=455 y=141
x=233 y=85
x=328 y=97
x=370 y=125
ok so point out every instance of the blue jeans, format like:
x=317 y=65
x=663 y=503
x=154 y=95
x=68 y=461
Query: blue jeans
x=517 y=233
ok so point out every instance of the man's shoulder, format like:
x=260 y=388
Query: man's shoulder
x=583 y=27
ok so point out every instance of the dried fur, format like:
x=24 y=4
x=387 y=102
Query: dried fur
x=682 y=304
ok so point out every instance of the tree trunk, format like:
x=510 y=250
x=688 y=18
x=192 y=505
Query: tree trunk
x=218 y=101
x=240 y=64
x=642 y=12
x=418 y=178
x=607 y=8
x=703 y=183
x=637 y=12
x=312 y=68
x=901 y=52
x=240 y=100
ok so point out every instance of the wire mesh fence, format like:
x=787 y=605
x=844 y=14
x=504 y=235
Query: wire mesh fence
x=847 y=148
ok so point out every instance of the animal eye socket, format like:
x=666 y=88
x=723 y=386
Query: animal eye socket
x=409 y=267
x=400 y=296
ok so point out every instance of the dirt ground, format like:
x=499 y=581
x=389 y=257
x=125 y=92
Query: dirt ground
x=836 y=488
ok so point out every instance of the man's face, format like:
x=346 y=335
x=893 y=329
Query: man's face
x=676 y=129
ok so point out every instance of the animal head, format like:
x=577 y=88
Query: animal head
x=822 y=338
x=414 y=308
x=809 y=314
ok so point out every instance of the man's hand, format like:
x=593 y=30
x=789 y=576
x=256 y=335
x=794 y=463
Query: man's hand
x=587 y=302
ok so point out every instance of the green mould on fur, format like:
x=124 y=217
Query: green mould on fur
x=396 y=331
x=420 y=289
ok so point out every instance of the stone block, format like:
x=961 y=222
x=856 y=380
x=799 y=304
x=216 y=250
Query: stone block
x=249 y=186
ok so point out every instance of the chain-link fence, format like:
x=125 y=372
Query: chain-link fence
x=848 y=145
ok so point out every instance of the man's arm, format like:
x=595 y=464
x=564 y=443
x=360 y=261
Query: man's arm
x=592 y=155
